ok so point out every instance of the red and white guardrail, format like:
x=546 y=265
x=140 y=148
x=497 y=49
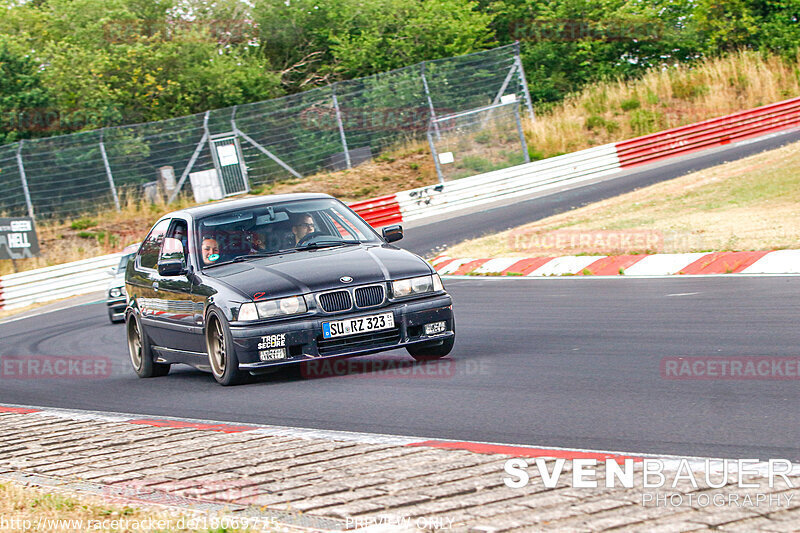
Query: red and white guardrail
x=580 y=166
x=777 y=262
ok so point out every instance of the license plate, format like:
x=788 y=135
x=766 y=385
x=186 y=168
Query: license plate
x=353 y=326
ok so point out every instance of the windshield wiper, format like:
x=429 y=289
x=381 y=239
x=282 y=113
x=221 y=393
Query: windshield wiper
x=327 y=244
x=256 y=255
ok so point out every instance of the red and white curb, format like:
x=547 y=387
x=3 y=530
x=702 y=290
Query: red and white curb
x=669 y=462
x=690 y=264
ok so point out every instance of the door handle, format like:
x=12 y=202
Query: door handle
x=155 y=286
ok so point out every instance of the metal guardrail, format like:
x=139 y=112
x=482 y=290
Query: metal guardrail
x=508 y=183
x=709 y=133
x=379 y=211
x=52 y=283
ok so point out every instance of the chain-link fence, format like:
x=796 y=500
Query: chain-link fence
x=477 y=141
x=328 y=128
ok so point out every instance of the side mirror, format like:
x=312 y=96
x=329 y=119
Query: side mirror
x=393 y=233
x=171 y=258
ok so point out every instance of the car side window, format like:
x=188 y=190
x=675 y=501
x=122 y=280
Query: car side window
x=179 y=231
x=148 y=252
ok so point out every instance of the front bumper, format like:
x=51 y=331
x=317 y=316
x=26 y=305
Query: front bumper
x=304 y=342
x=116 y=307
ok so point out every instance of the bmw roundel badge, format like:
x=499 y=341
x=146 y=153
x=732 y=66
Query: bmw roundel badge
x=345 y=279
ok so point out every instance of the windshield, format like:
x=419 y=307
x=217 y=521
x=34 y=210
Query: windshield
x=123 y=263
x=279 y=228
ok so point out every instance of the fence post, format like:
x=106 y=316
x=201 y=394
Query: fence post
x=435 y=157
x=24 y=179
x=521 y=135
x=522 y=81
x=341 y=126
x=192 y=160
x=108 y=170
x=430 y=101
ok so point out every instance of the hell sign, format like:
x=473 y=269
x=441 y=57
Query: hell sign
x=18 y=238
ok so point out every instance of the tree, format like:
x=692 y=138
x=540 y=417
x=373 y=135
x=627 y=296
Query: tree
x=314 y=42
x=25 y=104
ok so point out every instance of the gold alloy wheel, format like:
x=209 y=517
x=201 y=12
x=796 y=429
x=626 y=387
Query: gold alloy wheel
x=135 y=343
x=216 y=349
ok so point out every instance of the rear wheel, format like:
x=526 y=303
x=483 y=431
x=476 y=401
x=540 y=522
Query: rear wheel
x=140 y=353
x=431 y=351
x=221 y=355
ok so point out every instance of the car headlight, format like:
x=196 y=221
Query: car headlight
x=115 y=292
x=248 y=312
x=293 y=305
x=420 y=285
x=282 y=307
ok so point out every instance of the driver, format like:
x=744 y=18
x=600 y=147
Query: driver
x=302 y=225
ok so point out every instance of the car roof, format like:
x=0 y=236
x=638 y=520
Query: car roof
x=131 y=248
x=256 y=201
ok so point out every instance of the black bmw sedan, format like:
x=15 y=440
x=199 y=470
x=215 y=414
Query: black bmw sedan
x=238 y=287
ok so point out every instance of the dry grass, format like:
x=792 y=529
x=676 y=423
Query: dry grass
x=407 y=167
x=19 y=504
x=749 y=204
x=603 y=113
x=662 y=99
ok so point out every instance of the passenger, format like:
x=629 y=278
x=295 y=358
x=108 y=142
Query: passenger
x=302 y=225
x=180 y=234
x=209 y=250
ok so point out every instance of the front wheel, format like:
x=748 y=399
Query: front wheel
x=139 y=350
x=221 y=354
x=431 y=351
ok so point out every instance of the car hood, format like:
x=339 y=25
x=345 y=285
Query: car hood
x=318 y=270
x=117 y=281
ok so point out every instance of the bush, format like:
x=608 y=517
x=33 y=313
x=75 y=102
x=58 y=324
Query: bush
x=483 y=137
x=643 y=121
x=83 y=223
x=630 y=104
x=688 y=89
x=478 y=164
x=595 y=122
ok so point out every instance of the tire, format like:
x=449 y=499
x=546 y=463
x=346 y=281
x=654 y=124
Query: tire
x=139 y=350
x=431 y=351
x=221 y=354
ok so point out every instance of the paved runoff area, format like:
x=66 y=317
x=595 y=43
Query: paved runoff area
x=296 y=479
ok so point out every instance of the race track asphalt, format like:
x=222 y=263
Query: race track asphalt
x=544 y=362
x=560 y=362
